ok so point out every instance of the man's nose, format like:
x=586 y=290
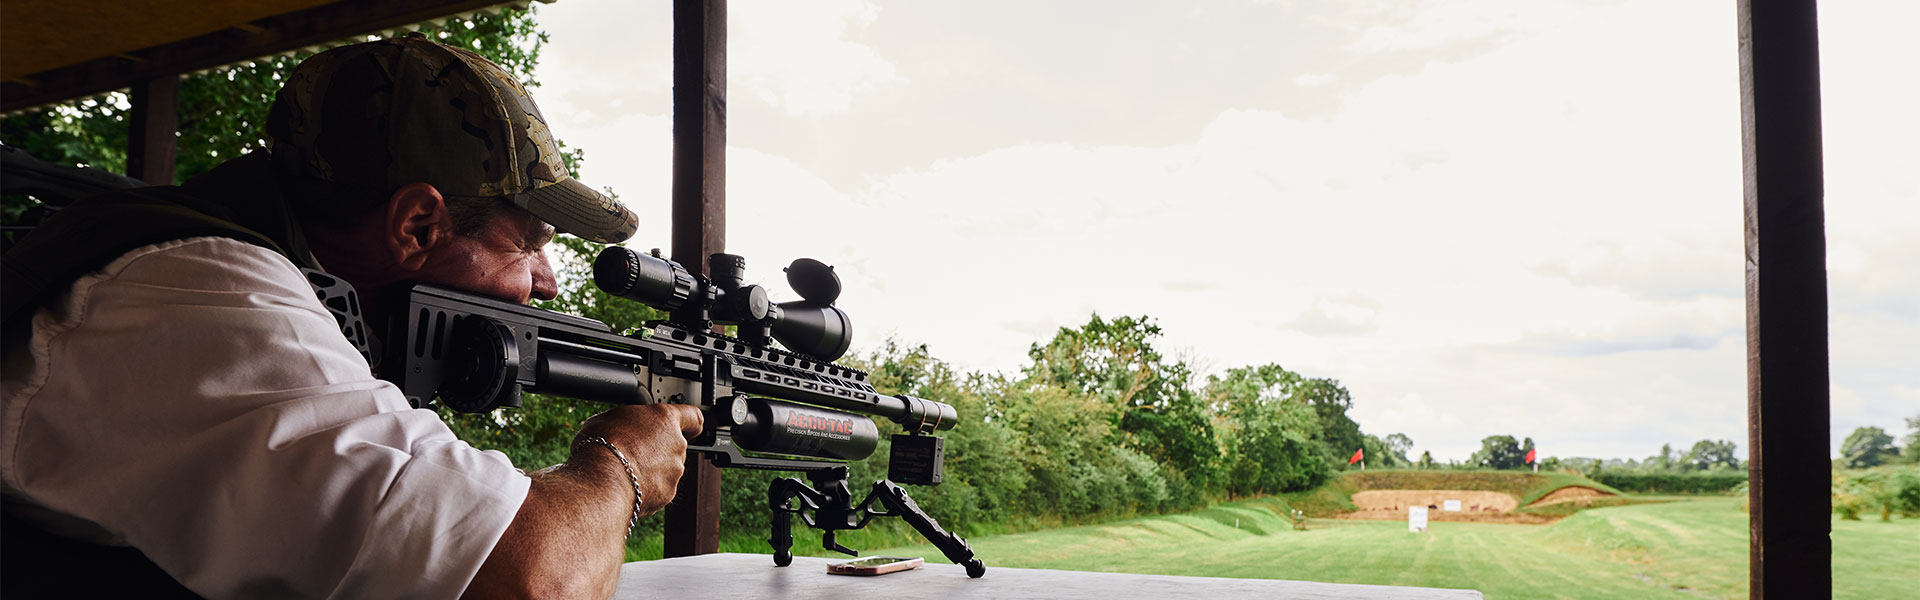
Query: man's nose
x=545 y=287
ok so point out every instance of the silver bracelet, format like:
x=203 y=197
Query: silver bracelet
x=631 y=478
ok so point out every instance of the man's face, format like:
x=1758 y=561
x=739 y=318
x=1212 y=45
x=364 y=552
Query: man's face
x=505 y=260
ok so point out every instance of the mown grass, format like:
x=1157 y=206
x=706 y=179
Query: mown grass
x=1332 y=498
x=1694 y=548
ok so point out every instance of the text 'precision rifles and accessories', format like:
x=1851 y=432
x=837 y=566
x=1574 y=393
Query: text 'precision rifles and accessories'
x=765 y=408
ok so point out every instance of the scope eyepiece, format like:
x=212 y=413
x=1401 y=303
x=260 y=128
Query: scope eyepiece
x=647 y=279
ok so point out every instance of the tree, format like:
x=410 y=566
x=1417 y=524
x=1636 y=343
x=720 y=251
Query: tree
x=1400 y=445
x=1339 y=434
x=1663 y=461
x=1498 y=452
x=1157 y=415
x=1269 y=440
x=1381 y=454
x=1911 y=444
x=1710 y=454
x=1426 y=460
x=1866 y=447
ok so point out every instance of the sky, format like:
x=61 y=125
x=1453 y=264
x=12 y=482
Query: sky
x=1517 y=217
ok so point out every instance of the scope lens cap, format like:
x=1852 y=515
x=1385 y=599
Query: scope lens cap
x=814 y=280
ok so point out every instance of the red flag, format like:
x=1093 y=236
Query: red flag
x=1529 y=456
x=1357 y=455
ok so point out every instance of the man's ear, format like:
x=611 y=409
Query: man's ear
x=416 y=224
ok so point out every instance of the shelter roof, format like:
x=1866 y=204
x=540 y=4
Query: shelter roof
x=54 y=50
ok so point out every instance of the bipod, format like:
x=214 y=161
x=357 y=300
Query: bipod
x=830 y=509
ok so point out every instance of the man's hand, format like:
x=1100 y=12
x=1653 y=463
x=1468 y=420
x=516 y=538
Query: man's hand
x=568 y=540
x=654 y=438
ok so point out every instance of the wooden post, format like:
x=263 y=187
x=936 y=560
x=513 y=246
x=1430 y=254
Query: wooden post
x=153 y=125
x=699 y=222
x=1787 y=377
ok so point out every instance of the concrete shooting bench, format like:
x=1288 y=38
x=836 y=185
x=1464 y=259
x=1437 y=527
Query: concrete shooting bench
x=737 y=576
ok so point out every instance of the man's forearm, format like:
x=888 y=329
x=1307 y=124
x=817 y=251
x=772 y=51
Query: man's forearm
x=567 y=541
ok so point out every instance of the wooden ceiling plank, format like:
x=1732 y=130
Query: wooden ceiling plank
x=279 y=34
x=41 y=35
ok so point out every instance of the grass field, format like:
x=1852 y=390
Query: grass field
x=1689 y=548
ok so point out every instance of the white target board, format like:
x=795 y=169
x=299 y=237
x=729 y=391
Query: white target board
x=1416 y=519
x=1451 y=506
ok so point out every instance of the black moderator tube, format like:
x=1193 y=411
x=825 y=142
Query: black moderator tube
x=914 y=414
x=776 y=427
x=570 y=376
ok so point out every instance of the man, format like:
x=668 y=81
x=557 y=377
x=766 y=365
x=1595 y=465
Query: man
x=180 y=410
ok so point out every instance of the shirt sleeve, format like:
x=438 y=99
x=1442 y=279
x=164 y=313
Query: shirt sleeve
x=195 y=401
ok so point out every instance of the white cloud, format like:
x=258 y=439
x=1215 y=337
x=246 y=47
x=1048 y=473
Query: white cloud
x=1389 y=25
x=795 y=55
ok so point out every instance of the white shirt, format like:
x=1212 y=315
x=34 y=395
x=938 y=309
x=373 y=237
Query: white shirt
x=194 y=400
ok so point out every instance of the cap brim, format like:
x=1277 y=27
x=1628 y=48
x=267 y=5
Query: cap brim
x=572 y=207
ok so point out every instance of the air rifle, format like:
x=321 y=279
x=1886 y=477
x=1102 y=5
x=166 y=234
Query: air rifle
x=765 y=408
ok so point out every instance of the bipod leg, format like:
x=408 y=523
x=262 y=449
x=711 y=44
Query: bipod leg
x=779 y=494
x=899 y=504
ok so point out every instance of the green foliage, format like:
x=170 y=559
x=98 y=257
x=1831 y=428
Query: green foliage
x=1339 y=434
x=1708 y=454
x=1426 y=460
x=1269 y=439
x=1866 y=447
x=1889 y=490
x=1382 y=454
x=1671 y=481
x=1664 y=461
x=1498 y=452
x=1910 y=443
x=1098 y=426
x=1398 y=444
x=1153 y=410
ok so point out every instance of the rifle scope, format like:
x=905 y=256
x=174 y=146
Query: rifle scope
x=810 y=326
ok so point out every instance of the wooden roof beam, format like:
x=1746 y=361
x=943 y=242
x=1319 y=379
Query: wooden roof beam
x=265 y=37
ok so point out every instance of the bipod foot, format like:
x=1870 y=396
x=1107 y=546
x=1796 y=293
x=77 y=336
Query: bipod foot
x=899 y=504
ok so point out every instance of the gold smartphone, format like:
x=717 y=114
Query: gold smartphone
x=874 y=565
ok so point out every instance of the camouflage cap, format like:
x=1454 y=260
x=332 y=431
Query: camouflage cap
x=379 y=115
